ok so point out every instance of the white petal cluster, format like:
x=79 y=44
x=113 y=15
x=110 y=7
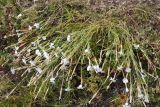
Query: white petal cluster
x=37 y=25
x=128 y=70
x=5 y=37
x=65 y=61
x=98 y=69
x=16 y=48
x=51 y=45
x=24 y=61
x=136 y=46
x=38 y=53
x=90 y=68
x=87 y=51
x=69 y=38
x=44 y=38
x=112 y=79
x=18 y=31
x=19 y=16
x=80 y=87
x=126 y=105
x=16 y=52
x=126 y=90
x=39 y=70
x=19 y=34
x=28 y=50
x=33 y=43
x=46 y=55
x=68 y=89
x=29 y=27
x=120 y=53
x=125 y=80
x=52 y=80
x=13 y=71
x=32 y=63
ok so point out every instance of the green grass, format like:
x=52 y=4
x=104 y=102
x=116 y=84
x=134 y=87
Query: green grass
x=110 y=39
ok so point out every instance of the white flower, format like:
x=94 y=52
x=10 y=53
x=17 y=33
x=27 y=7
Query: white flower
x=24 y=61
x=97 y=69
x=69 y=38
x=89 y=68
x=51 y=45
x=29 y=27
x=80 y=87
x=52 y=80
x=19 y=16
x=5 y=37
x=37 y=25
x=16 y=48
x=112 y=79
x=33 y=43
x=120 y=68
x=16 y=53
x=126 y=105
x=136 y=46
x=29 y=50
x=44 y=38
x=38 y=53
x=39 y=70
x=126 y=90
x=18 y=31
x=32 y=63
x=128 y=70
x=125 y=80
x=68 y=89
x=46 y=55
x=120 y=53
x=65 y=61
x=19 y=34
x=87 y=51
x=13 y=71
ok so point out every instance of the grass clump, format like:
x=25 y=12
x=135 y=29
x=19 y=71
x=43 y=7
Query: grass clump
x=68 y=54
